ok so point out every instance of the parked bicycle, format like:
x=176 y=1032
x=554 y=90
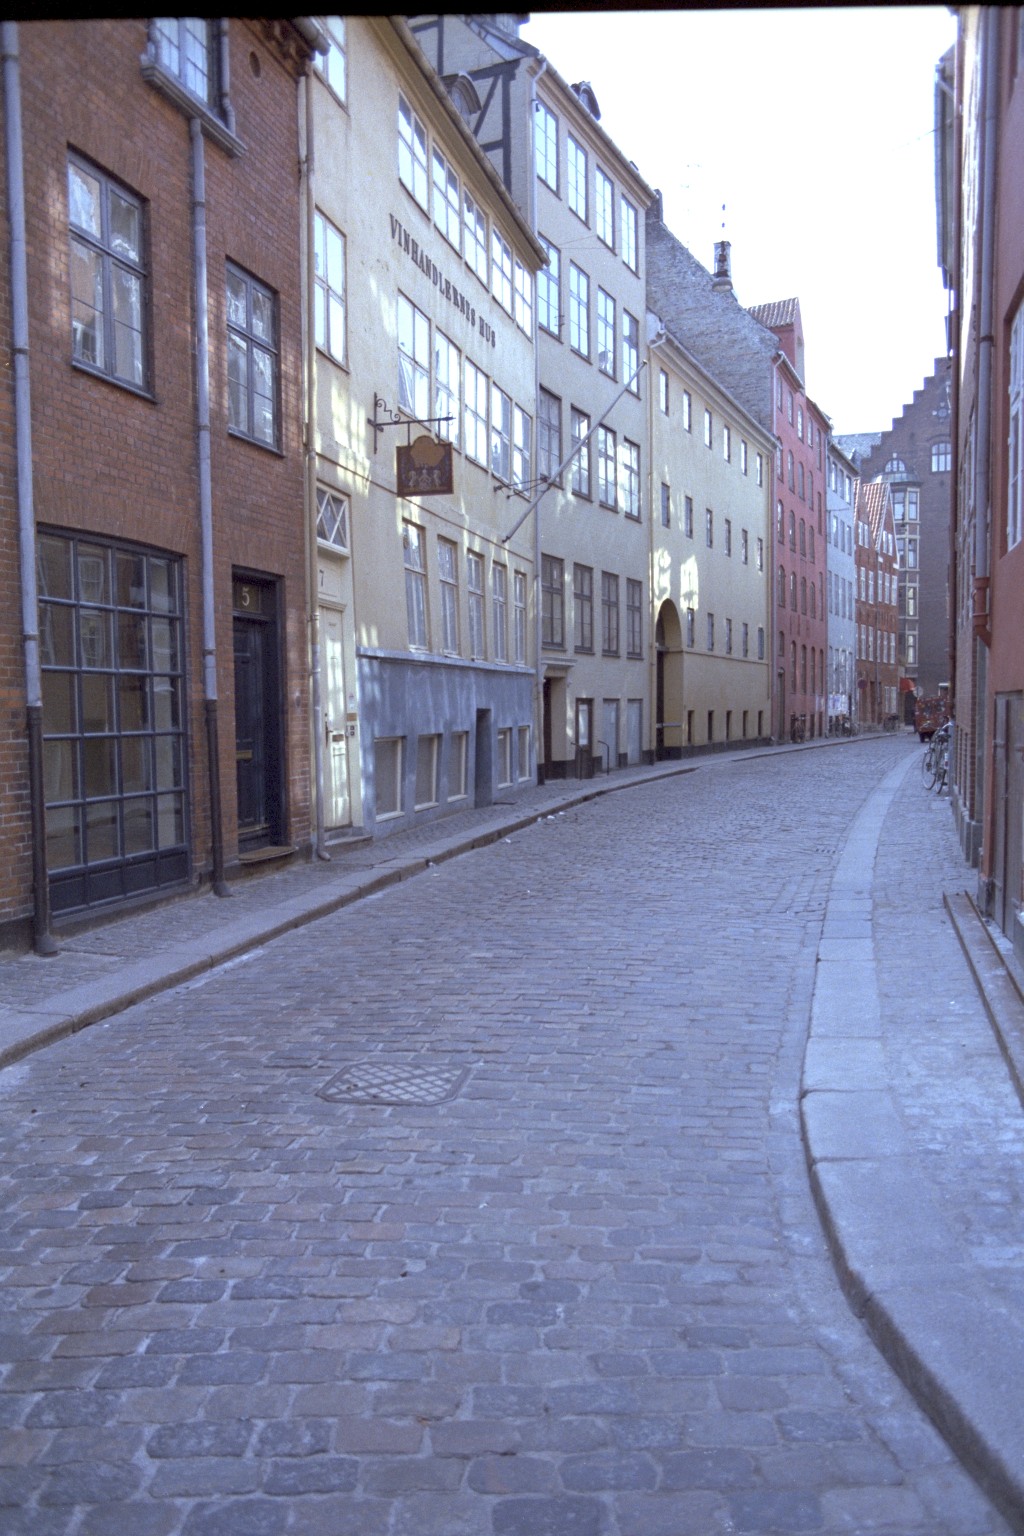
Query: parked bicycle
x=935 y=763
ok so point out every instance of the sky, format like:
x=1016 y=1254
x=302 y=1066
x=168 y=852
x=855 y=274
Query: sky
x=815 y=129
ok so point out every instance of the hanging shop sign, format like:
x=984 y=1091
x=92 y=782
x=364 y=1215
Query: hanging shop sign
x=424 y=468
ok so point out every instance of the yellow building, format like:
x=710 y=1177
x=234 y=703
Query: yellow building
x=421 y=279
x=710 y=497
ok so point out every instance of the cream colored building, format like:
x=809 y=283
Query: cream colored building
x=587 y=205
x=421 y=277
x=710 y=495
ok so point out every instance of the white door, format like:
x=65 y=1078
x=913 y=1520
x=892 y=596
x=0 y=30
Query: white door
x=634 y=730
x=337 y=811
x=610 y=733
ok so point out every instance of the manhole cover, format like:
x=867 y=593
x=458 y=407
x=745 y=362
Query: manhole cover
x=381 y=1082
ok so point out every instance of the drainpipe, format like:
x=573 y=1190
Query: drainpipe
x=538 y=616
x=306 y=169
x=206 y=502
x=42 y=940
x=983 y=459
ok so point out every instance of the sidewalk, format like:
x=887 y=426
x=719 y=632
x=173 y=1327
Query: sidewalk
x=912 y=1123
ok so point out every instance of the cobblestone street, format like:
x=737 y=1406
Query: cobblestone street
x=477 y=1209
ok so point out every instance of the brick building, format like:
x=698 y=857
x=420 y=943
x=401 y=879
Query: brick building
x=979 y=145
x=877 y=566
x=156 y=397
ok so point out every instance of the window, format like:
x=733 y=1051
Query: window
x=114 y=710
x=711 y=632
x=760 y=554
x=329 y=277
x=413 y=359
x=688 y=517
x=629 y=234
x=709 y=528
x=800 y=424
x=687 y=411
x=789 y=406
x=579 y=310
x=663 y=391
x=332 y=67
x=427 y=753
x=501 y=434
x=790 y=473
x=609 y=614
x=474 y=237
x=549 y=316
x=743 y=456
x=759 y=469
x=475 y=413
x=412 y=152
x=727 y=530
x=387 y=775
x=332 y=518
x=252 y=358
x=800 y=481
x=1015 y=487
x=504 y=756
x=745 y=642
x=581 y=461
x=552 y=592
x=631 y=351
x=728 y=637
x=414 y=548
x=447 y=202
x=447 y=379
x=499 y=610
x=744 y=546
x=708 y=430
x=583 y=607
x=184 y=48
x=458 y=769
x=549 y=435
x=634 y=617
x=666 y=506
x=501 y=270
x=545 y=146
x=781 y=590
x=605 y=333
x=604 y=213
x=727 y=444
x=475 y=591
x=523 y=743
x=629 y=478
x=941 y=458
x=448 y=568
x=522 y=435
x=577 y=181
x=606 y=467
x=691 y=627
x=519 y=647
x=107 y=276
x=523 y=284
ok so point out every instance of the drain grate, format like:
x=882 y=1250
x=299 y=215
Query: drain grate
x=382 y=1082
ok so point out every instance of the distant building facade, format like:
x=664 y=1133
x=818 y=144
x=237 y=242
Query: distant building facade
x=841 y=587
x=877 y=604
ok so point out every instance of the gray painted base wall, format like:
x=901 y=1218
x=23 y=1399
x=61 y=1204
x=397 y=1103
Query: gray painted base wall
x=406 y=697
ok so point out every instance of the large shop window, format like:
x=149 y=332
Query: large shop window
x=113 y=719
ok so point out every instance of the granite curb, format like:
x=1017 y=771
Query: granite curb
x=944 y=1330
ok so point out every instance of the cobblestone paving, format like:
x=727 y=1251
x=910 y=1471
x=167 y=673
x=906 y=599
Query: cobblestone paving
x=585 y=1295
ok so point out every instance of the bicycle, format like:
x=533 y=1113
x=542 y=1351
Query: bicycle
x=935 y=763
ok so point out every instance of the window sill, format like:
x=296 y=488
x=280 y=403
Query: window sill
x=255 y=442
x=168 y=85
x=109 y=378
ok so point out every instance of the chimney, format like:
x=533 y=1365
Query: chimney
x=722 y=280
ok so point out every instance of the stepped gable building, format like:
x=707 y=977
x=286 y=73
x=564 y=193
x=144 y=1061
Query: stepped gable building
x=801 y=617
x=586 y=203
x=877 y=604
x=152 y=462
x=915 y=455
x=979 y=151
x=424 y=407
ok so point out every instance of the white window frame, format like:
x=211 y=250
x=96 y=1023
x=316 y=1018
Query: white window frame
x=414 y=359
x=329 y=284
x=576 y=179
x=474 y=237
x=475 y=574
x=499 y=610
x=476 y=411
x=549 y=305
x=629 y=225
x=447 y=199
x=501 y=269
x=413 y=171
x=448 y=572
x=414 y=556
x=545 y=143
x=579 y=310
x=447 y=386
x=604 y=207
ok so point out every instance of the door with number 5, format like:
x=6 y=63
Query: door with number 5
x=337 y=802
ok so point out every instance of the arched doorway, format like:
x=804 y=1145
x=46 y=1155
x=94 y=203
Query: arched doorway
x=668 y=703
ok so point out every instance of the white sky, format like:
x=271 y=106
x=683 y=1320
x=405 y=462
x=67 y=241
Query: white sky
x=815 y=128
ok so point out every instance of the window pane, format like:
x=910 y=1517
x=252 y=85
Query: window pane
x=84 y=206
x=125 y=226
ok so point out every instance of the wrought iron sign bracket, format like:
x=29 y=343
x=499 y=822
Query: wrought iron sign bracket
x=381 y=405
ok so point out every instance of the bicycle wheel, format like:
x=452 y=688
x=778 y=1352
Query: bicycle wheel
x=928 y=767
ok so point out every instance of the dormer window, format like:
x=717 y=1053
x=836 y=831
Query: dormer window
x=464 y=97
x=186 y=60
x=184 y=47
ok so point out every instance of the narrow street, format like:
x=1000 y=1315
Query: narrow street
x=478 y=1209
